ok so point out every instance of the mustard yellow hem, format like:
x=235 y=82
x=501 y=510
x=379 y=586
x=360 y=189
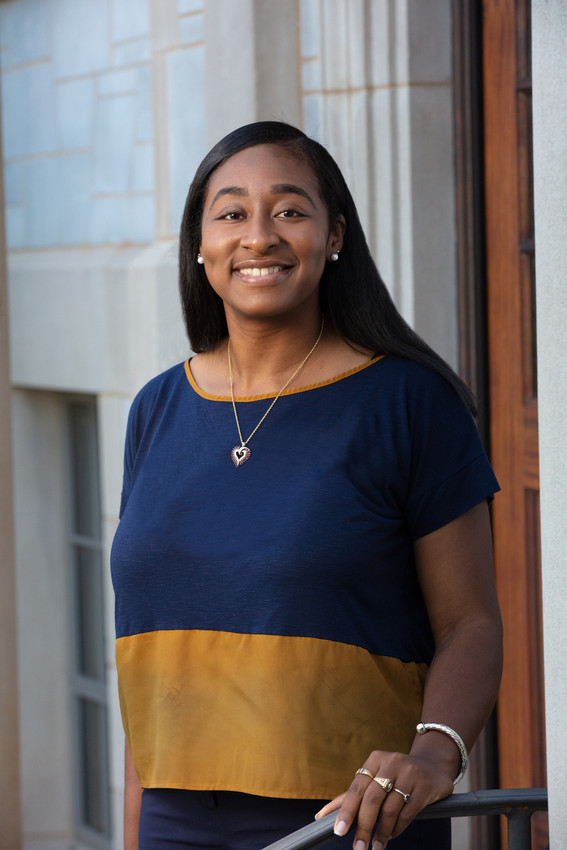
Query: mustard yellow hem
x=271 y=715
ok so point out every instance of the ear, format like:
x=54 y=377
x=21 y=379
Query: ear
x=337 y=234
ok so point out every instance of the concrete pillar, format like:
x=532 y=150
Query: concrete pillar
x=549 y=58
x=377 y=91
x=252 y=64
x=10 y=812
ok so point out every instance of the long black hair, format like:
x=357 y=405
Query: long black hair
x=353 y=295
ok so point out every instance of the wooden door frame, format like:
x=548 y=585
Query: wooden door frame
x=472 y=296
x=513 y=402
x=469 y=190
x=495 y=258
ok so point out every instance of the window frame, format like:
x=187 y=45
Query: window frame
x=86 y=689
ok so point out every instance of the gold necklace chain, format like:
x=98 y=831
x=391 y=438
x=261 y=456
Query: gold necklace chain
x=241 y=453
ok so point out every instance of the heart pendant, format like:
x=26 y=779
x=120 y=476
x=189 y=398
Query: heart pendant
x=240 y=455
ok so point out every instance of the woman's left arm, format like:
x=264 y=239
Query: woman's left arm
x=456 y=573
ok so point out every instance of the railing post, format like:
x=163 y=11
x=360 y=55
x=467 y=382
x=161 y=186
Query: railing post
x=519 y=830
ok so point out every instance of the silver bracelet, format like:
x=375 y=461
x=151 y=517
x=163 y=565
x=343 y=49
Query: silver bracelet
x=422 y=728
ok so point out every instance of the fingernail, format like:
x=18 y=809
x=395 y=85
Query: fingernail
x=340 y=828
x=360 y=845
x=377 y=845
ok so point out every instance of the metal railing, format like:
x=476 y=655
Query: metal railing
x=516 y=804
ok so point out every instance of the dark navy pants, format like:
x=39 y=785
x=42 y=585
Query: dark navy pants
x=226 y=820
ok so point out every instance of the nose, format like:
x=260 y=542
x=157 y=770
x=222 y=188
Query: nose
x=260 y=234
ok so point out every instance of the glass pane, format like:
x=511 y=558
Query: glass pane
x=93 y=780
x=84 y=467
x=90 y=623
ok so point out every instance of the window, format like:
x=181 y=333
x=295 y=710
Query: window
x=88 y=677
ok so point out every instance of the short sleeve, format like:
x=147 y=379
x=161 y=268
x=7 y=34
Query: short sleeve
x=145 y=410
x=131 y=446
x=450 y=472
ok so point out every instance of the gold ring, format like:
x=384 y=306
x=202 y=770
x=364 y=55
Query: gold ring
x=407 y=797
x=386 y=784
x=365 y=772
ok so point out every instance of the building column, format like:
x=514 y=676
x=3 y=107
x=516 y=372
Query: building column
x=10 y=803
x=377 y=90
x=253 y=53
x=549 y=64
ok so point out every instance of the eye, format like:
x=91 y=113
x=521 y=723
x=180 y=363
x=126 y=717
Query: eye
x=231 y=216
x=290 y=213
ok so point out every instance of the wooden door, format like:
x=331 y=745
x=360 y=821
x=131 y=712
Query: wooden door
x=510 y=250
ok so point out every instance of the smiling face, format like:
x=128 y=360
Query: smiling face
x=265 y=233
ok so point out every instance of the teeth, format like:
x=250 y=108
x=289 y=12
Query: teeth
x=256 y=272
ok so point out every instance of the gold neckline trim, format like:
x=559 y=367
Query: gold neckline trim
x=293 y=391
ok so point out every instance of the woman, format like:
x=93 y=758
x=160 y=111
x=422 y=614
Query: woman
x=287 y=612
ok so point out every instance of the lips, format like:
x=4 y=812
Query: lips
x=260 y=270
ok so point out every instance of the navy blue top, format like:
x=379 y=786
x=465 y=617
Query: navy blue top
x=313 y=535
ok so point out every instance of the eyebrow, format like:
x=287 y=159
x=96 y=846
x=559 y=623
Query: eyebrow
x=276 y=189
x=290 y=189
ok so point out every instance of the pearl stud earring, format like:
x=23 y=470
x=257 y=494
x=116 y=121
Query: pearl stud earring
x=200 y=260
x=334 y=256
